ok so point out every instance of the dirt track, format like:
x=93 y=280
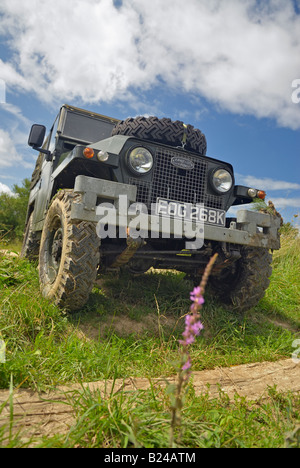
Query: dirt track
x=49 y=414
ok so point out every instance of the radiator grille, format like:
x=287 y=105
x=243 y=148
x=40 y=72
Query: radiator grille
x=172 y=183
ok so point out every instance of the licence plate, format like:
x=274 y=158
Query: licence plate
x=190 y=212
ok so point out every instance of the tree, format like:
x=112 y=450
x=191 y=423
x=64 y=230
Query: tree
x=13 y=210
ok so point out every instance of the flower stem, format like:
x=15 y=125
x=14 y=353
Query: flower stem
x=193 y=326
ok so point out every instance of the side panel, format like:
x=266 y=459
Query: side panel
x=44 y=191
x=43 y=188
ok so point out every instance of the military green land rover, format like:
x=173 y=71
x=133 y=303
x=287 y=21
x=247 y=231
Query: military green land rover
x=135 y=194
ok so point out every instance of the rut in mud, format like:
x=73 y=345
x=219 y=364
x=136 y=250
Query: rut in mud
x=37 y=415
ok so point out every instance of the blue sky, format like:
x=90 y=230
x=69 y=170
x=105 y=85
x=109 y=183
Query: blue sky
x=228 y=67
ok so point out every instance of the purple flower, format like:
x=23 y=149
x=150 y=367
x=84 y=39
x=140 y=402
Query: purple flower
x=188 y=320
x=197 y=327
x=193 y=326
x=188 y=339
x=187 y=365
x=196 y=296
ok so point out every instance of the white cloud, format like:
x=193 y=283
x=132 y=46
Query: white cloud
x=286 y=203
x=241 y=55
x=16 y=112
x=8 y=153
x=5 y=189
x=267 y=183
x=14 y=151
x=11 y=76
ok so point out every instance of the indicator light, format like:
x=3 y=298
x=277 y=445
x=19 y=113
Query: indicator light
x=88 y=152
x=261 y=194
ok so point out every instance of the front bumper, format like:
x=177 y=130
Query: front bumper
x=251 y=228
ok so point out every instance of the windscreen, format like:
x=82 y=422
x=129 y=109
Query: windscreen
x=85 y=128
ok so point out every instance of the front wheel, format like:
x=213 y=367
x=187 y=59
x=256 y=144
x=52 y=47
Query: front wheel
x=69 y=255
x=244 y=284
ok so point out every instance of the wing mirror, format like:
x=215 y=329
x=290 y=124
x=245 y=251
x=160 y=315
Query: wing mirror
x=37 y=135
x=36 y=138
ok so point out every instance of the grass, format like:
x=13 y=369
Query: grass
x=142 y=419
x=283 y=296
x=130 y=327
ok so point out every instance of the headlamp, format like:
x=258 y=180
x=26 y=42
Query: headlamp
x=222 y=180
x=140 y=160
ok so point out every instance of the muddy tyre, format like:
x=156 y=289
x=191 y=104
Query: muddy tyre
x=163 y=131
x=244 y=284
x=31 y=244
x=69 y=255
